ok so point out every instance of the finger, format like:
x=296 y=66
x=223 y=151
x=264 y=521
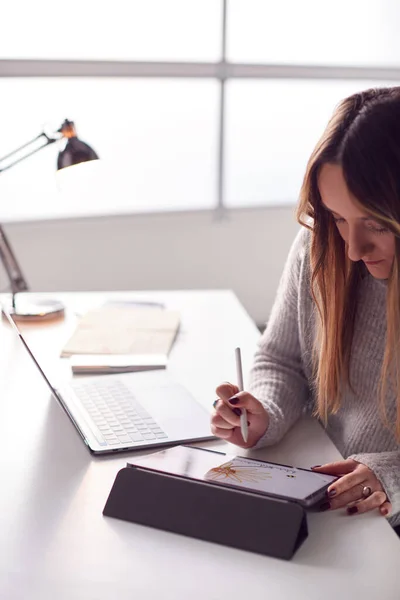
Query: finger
x=224 y=434
x=232 y=436
x=375 y=500
x=341 y=467
x=357 y=479
x=247 y=401
x=221 y=423
x=227 y=414
x=344 y=499
x=226 y=390
x=385 y=508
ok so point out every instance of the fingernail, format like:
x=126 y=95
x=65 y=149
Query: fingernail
x=315 y=466
x=331 y=493
x=384 y=512
x=352 y=510
x=215 y=403
x=233 y=400
x=237 y=411
x=325 y=506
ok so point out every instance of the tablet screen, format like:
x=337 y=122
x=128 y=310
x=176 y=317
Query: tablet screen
x=235 y=471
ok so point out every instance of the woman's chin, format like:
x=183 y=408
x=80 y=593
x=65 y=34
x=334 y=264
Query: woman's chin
x=379 y=271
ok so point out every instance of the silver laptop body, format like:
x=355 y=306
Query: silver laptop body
x=132 y=411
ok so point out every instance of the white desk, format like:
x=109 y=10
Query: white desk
x=54 y=541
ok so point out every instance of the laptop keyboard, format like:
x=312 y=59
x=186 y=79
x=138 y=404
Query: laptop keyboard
x=116 y=413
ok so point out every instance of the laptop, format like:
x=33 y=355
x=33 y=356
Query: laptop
x=132 y=411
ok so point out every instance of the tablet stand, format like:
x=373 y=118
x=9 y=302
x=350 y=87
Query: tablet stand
x=207 y=511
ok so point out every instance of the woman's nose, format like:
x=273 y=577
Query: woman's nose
x=359 y=246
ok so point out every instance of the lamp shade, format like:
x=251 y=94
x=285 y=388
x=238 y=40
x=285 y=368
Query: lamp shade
x=75 y=150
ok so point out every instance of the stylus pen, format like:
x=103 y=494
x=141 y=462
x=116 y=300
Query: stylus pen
x=239 y=374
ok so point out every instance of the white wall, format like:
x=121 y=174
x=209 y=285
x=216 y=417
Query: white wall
x=244 y=251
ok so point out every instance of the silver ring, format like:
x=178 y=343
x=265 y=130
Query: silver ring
x=366 y=491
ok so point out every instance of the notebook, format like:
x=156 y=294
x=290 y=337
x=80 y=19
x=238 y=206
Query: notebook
x=124 y=330
x=95 y=364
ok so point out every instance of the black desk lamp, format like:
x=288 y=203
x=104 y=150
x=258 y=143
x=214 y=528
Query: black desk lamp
x=74 y=152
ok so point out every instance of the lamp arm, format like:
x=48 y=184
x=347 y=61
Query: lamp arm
x=10 y=263
x=48 y=141
x=7 y=256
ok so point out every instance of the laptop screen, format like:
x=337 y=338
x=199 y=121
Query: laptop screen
x=14 y=326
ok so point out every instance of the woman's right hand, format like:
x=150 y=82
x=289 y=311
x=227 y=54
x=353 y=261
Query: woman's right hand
x=225 y=421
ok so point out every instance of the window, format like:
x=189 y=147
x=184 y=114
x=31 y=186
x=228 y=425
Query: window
x=311 y=32
x=157 y=140
x=190 y=105
x=267 y=147
x=138 y=30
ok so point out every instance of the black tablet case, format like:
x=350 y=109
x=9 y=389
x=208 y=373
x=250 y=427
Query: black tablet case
x=206 y=511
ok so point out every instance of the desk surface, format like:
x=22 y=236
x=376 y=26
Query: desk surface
x=54 y=541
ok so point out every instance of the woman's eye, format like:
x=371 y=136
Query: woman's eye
x=372 y=226
x=376 y=227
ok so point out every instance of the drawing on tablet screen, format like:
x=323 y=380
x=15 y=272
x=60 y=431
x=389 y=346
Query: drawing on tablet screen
x=238 y=473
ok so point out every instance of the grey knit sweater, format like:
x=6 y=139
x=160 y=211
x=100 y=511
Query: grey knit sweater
x=282 y=372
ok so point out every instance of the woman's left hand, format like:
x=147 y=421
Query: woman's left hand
x=351 y=488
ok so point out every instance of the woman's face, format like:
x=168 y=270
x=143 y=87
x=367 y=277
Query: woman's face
x=365 y=238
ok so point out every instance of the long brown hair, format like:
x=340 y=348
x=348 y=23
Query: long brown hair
x=363 y=137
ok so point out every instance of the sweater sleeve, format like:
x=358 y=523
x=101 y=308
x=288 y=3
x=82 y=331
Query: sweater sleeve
x=386 y=467
x=277 y=378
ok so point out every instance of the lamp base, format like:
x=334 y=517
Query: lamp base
x=40 y=310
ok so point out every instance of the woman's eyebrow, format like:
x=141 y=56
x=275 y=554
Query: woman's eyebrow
x=329 y=209
x=338 y=215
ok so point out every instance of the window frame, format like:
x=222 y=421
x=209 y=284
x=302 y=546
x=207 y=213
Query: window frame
x=222 y=70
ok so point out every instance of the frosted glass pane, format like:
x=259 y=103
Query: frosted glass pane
x=157 y=140
x=355 y=32
x=271 y=129
x=121 y=29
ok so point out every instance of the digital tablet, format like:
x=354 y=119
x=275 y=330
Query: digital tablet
x=291 y=483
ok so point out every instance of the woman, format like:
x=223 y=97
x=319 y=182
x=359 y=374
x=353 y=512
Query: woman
x=332 y=342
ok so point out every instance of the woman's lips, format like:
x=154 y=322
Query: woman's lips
x=372 y=262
